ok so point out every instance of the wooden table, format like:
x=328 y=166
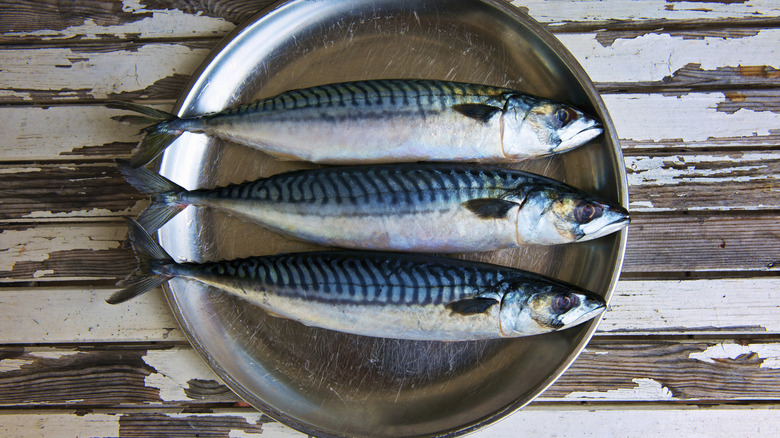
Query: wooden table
x=689 y=347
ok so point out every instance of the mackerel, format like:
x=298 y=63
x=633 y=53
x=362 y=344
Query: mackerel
x=379 y=121
x=388 y=295
x=400 y=207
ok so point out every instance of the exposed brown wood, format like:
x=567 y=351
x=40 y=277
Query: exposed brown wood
x=676 y=182
x=703 y=242
x=706 y=181
x=132 y=70
x=691 y=371
x=657 y=243
x=77 y=190
x=24 y=21
x=694 y=77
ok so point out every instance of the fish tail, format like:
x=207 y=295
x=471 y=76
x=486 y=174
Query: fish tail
x=151 y=257
x=166 y=199
x=159 y=134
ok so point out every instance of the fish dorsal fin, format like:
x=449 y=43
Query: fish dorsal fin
x=472 y=306
x=489 y=208
x=477 y=111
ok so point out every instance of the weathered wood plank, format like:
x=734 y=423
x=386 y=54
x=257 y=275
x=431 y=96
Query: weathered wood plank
x=735 y=120
x=65 y=315
x=29 y=21
x=657 y=243
x=661 y=183
x=81 y=190
x=715 y=181
x=723 y=243
x=616 y=61
x=154 y=70
x=644 y=370
x=741 y=120
x=535 y=420
x=680 y=60
x=134 y=424
x=65 y=132
x=691 y=307
x=702 y=242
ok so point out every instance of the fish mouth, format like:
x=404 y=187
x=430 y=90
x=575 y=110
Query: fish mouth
x=613 y=220
x=589 y=309
x=581 y=137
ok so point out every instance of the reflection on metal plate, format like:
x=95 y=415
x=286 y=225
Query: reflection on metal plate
x=329 y=383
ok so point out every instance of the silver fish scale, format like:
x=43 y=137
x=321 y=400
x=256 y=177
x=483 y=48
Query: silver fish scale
x=392 y=185
x=374 y=94
x=356 y=278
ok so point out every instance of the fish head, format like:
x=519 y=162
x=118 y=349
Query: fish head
x=545 y=307
x=534 y=127
x=560 y=214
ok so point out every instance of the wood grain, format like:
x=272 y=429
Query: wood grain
x=701 y=371
x=674 y=61
x=717 y=307
x=649 y=123
x=660 y=183
x=658 y=243
x=32 y=21
x=80 y=190
x=534 y=420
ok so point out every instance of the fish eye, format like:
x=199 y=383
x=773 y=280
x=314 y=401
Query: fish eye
x=565 y=115
x=564 y=302
x=586 y=212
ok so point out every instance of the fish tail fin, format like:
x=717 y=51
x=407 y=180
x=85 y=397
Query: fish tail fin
x=166 y=199
x=159 y=134
x=151 y=256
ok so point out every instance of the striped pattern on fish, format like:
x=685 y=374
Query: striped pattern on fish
x=404 y=207
x=380 y=121
x=405 y=296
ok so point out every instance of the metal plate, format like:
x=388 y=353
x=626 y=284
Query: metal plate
x=328 y=383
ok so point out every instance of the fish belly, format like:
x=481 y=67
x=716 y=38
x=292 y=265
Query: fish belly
x=390 y=320
x=445 y=227
x=345 y=138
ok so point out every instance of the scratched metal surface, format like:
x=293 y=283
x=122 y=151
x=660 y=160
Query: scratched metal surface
x=328 y=383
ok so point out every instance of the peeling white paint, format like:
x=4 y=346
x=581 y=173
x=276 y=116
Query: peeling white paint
x=691 y=117
x=653 y=56
x=770 y=353
x=237 y=433
x=646 y=389
x=95 y=74
x=56 y=424
x=175 y=368
x=640 y=204
x=15 y=170
x=162 y=23
x=42 y=273
x=45 y=133
x=97 y=212
x=674 y=170
x=36 y=244
x=717 y=306
x=51 y=353
x=13 y=364
x=600 y=10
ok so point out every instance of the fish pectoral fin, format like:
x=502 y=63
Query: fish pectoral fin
x=489 y=208
x=274 y=314
x=472 y=306
x=477 y=111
